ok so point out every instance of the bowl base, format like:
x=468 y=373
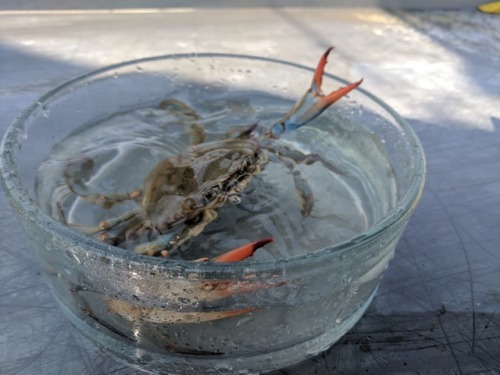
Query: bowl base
x=180 y=364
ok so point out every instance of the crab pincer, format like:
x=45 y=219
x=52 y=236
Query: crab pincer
x=312 y=103
x=242 y=252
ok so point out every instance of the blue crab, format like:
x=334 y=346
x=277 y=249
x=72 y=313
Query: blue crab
x=181 y=194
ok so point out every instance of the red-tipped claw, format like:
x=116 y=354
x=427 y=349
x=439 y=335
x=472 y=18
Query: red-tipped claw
x=325 y=101
x=318 y=73
x=242 y=252
x=313 y=103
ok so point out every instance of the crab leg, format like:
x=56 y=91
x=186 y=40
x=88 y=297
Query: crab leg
x=312 y=104
x=189 y=118
x=160 y=245
x=291 y=158
x=109 y=224
x=166 y=242
x=75 y=176
x=156 y=247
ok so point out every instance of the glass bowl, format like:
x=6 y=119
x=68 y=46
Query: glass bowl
x=179 y=317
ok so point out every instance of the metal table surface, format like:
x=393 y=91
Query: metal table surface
x=437 y=310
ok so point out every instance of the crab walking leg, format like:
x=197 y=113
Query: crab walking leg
x=112 y=223
x=287 y=155
x=104 y=226
x=304 y=192
x=302 y=187
x=159 y=246
x=291 y=158
x=312 y=104
x=156 y=247
x=76 y=174
x=167 y=242
x=189 y=119
x=107 y=201
x=133 y=228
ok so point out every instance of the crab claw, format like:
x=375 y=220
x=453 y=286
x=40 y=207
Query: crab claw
x=205 y=291
x=158 y=315
x=313 y=103
x=242 y=252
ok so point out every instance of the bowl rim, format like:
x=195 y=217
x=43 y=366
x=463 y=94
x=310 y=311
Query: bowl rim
x=24 y=205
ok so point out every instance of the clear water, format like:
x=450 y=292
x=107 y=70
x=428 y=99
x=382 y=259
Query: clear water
x=302 y=314
x=125 y=146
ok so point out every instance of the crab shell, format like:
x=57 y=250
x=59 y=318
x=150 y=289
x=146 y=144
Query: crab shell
x=205 y=177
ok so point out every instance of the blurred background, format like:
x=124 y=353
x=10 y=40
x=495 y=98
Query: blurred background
x=128 y=4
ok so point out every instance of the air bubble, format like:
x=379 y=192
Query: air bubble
x=184 y=300
x=45 y=112
x=245 y=320
x=346 y=280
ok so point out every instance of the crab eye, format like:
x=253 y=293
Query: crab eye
x=211 y=194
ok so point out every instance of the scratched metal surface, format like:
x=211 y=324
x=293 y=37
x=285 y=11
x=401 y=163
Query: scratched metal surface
x=437 y=310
